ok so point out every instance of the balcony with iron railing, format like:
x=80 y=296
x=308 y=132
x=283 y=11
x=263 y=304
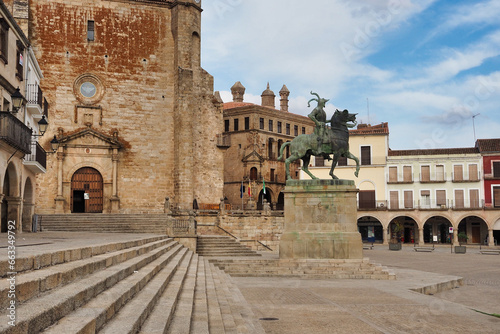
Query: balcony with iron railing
x=35 y=102
x=433 y=178
x=223 y=141
x=400 y=178
x=401 y=205
x=14 y=132
x=36 y=161
x=465 y=177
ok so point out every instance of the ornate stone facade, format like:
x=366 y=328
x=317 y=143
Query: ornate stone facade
x=130 y=100
x=256 y=134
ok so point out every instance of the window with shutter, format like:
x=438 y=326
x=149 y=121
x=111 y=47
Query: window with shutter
x=425 y=173
x=20 y=61
x=407 y=177
x=473 y=173
x=459 y=198
x=367 y=199
x=458 y=173
x=496 y=168
x=474 y=198
x=439 y=173
x=366 y=158
x=4 y=40
x=408 y=195
x=319 y=161
x=393 y=174
x=342 y=161
x=425 y=198
x=394 y=200
x=440 y=197
x=496 y=197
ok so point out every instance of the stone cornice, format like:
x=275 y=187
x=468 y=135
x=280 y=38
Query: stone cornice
x=163 y=3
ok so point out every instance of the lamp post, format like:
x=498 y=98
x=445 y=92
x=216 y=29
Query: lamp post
x=17 y=100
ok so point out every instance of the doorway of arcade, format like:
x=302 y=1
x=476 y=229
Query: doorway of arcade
x=437 y=230
x=371 y=229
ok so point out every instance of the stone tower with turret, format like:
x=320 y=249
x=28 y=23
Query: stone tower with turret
x=134 y=112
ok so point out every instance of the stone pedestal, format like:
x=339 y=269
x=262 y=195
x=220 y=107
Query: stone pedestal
x=320 y=220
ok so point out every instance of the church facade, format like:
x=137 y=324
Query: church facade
x=135 y=114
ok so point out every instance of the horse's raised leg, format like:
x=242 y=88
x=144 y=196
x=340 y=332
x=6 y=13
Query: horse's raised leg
x=334 y=164
x=305 y=166
x=349 y=155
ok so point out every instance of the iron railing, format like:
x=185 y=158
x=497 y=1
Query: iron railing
x=37 y=154
x=34 y=95
x=14 y=132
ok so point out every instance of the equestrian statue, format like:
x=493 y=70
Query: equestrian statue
x=324 y=141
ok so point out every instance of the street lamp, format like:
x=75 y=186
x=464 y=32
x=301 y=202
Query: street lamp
x=42 y=126
x=54 y=144
x=17 y=100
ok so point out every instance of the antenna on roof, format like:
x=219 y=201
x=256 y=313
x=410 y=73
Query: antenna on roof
x=474 y=125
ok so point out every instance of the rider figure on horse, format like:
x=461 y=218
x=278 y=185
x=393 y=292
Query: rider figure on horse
x=318 y=115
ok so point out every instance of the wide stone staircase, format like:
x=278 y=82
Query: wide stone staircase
x=216 y=246
x=97 y=222
x=150 y=285
x=304 y=268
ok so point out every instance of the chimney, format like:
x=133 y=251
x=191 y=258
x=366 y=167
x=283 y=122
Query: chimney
x=238 y=91
x=268 y=97
x=284 y=93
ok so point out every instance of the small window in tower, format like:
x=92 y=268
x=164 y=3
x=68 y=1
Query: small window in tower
x=295 y=130
x=279 y=127
x=262 y=124
x=226 y=125
x=247 y=123
x=287 y=129
x=90 y=30
x=236 y=124
x=303 y=130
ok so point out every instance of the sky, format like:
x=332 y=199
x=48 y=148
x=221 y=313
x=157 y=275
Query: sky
x=430 y=68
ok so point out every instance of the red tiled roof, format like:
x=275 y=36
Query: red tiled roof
x=366 y=129
x=434 y=151
x=231 y=105
x=488 y=145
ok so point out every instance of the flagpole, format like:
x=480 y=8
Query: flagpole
x=241 y=195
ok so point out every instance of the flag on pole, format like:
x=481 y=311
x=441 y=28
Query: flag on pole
x=249 y=189
x=263 y=185
x=242 y=190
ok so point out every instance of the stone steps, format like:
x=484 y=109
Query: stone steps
x=34 y=283
x=312 y=269
x=154 y=287
x=98 y=222
x=216 y=246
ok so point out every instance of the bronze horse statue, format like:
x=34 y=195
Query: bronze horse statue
x=335 y=141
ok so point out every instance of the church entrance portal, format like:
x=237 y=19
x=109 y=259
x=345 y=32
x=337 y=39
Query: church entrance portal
x=86 y=191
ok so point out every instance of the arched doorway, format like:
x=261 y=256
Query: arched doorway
x=405 y=229
x=28 y=204
x=475 y=228
x=280 y=205
x=267 y=196
x=9 y=203
x=371 y=229
x=86 y=191
x=496 y=233
x=437 y=229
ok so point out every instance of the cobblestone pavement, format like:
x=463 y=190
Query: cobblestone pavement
x=367 y=306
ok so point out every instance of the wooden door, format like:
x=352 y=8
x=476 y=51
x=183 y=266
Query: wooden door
x=88 y=180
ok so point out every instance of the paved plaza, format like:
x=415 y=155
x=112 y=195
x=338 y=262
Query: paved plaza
x=290 y=305
x=367 y=306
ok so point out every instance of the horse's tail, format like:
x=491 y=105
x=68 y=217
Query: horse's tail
x=282 y=149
